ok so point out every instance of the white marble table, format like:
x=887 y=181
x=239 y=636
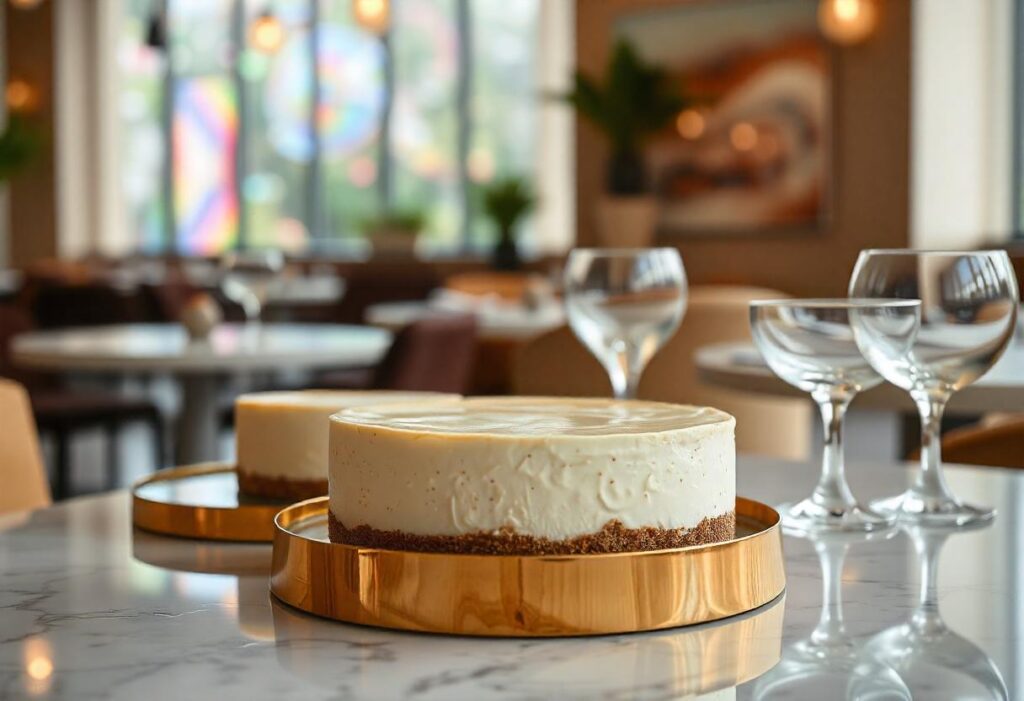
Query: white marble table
x=90 y=610
x=230 y=349
x=739 y=366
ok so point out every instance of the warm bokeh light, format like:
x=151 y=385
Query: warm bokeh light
x=372 y=15
x=690 y=124
x=362 y=171
x=26 y=4
x=20 y=96
x=38 y=661
x=847 y=21
x=39 y=668
x=480 y=165
x=266 y=33
x=743 y=136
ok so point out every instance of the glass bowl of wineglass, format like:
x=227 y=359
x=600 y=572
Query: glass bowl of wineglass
x=246 y=277
x=623 y=305
x=810 y=344
x=968 y=312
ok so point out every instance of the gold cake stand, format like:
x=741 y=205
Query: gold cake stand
x=535 y=595
x=202 y=501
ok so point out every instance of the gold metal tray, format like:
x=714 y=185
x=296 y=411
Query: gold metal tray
x=202 y=501
x=538 y=595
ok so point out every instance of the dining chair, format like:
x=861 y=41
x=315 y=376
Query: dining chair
x=382 y=282
x=21 y=461
x=61 y=412
x=558 y=364
x=435 y=354
x=999 y=444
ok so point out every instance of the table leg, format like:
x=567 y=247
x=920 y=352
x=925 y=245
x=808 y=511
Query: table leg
x=199 y=422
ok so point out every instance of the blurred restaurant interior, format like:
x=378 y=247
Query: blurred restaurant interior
x=204 y=199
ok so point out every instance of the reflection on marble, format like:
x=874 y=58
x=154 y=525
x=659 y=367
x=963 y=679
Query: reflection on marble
x=670 y=664
x=828 y=662
x=937 y=661
x=90 y=609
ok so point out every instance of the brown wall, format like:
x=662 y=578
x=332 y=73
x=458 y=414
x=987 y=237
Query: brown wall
x=28 y=44
x=870 y=164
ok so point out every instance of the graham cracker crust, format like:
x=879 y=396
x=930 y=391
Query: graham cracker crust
x=612 y=538
x=280 y=487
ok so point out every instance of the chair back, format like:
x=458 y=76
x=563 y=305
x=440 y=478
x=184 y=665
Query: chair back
x=997 y=445
x=382 y=283
x=21 y=461
x=558 y=364
x=430 y=355
x=91 y=304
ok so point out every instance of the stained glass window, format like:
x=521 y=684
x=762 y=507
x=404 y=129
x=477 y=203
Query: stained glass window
x=416 y=119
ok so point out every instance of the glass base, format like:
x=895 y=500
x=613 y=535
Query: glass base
x=911 y=507
x=810 y=516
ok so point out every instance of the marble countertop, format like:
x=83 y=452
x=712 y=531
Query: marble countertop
x=90 y=609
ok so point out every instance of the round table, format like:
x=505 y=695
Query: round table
x=199 y=365
x=502 y=323
x=739 y=366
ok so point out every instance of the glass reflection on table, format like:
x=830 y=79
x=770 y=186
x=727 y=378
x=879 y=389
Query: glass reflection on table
x=931 y=658
x=828 y=663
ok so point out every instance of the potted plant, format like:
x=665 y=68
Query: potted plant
x=19 y=143
x=506 y=201
x=393 y=233
x=635 y=100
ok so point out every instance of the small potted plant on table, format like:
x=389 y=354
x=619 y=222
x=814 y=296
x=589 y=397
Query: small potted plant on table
x=506 y=202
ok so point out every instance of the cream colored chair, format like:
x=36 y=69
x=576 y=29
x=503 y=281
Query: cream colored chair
x=22 y=473
x=557 y=364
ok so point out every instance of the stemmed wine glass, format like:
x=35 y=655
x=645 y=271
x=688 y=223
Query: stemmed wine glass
x=924 y=651
x=246 y=277
x=623 y=304
x=968 y=311
x=810 y=345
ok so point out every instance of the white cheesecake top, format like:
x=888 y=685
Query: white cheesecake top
x=553 y=468
x=535 y=417
x=284 y=434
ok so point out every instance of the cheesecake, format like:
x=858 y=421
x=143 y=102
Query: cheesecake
x=281 y=438
x=521 y=475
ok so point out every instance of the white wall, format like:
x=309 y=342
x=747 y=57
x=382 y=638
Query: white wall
x=961 y=135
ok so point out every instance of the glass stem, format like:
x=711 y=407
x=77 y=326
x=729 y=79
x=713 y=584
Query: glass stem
x=626 y=370
x=830 y=629
x=832 y=490
x=926 y=618
x=930 y=483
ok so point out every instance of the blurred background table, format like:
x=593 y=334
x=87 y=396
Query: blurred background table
x=739 y=366
x=199 y=366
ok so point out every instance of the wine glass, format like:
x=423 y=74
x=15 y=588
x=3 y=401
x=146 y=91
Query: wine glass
x=828 y=663
x=924 y=651
x=968 y=311
x=623 y=304
x=810 y=345
x=246 y=277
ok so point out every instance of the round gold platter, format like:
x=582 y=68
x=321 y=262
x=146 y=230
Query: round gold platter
x=202 y=501
x=528 y=595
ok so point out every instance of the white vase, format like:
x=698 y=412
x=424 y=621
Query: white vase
x=627 y=221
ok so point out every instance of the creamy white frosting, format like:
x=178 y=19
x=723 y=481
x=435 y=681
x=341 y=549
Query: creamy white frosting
x=555 y=468
x=285 y=434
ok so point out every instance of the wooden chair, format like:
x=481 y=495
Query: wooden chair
x=21 y=461
x=557 y=364
x=997 y=445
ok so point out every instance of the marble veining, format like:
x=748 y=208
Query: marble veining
x=91 y=610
